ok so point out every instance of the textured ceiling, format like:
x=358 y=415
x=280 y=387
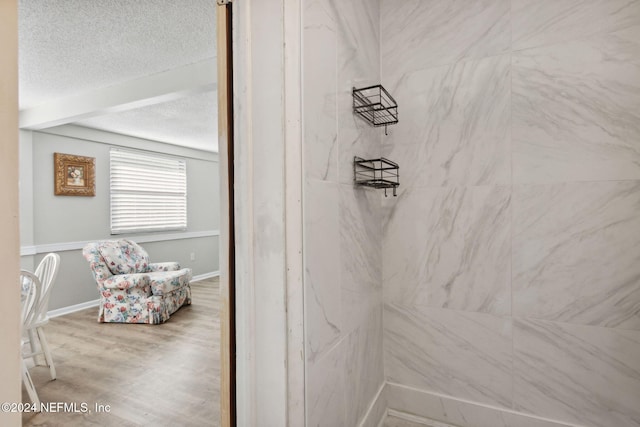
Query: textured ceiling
x=190 y=122
x=69 y=47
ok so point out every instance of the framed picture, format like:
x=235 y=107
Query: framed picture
x=74 y=175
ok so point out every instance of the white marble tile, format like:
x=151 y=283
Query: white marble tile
x=576 y=110
x=364 y=367
x=360 y=239
x=358 y=29
x=404 y=246
x=454 y=125
x=461 y=354
x=356 y=137
x=457 y=249
x=543 y=22
x=358 y=66
x=325 y=401
x=418 y=34
x=361 y=254
x=320 y=74
x=576 y=254
x=580 y=374
x=377 y=411
x=323 y=311
x=458 y=412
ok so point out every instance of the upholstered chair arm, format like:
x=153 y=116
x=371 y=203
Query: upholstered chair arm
x=163 y=266
x=126 y=281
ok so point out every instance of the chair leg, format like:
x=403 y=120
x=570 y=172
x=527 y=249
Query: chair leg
x=28 y=384
x=33 y=344
x=47 y=352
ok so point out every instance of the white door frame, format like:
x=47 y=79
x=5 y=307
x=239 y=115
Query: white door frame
x=268 y=213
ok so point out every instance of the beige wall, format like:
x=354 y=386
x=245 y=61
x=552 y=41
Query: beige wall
x=9 y=250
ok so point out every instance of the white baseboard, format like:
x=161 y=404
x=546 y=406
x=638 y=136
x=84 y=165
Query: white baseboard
x=77 y=307
x=428 y=407
x=205 y=276
x=377 y=411
x=73 y=308
x=416 y=420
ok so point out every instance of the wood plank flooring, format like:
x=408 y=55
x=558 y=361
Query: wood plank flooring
x=150 y=375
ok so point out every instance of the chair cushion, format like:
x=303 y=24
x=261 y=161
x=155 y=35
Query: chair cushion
x=124 y=256
x=163 y=282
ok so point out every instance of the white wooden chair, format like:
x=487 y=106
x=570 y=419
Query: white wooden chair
x=47 y=271
x=29 y=287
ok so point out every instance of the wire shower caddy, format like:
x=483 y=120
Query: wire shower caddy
x=375 y=105
x=376 y=173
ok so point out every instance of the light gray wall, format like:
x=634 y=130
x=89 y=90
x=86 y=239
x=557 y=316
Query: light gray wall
x=62 y=219
x=26 y=196
x=511 y=256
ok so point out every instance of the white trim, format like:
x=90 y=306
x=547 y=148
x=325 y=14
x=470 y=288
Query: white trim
x=402 y=398
x=416 y=419
x=378 y=400
x=293 y=212
x=384 y=418
x=73 y=308
x=266 y=203
x=148 y=238
x=28 y=250
x=205 y=276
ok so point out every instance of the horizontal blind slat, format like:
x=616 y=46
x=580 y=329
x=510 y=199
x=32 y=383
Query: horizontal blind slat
x=148 y=192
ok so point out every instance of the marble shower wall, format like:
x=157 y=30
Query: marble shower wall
x=342 y=224
x=511 y=272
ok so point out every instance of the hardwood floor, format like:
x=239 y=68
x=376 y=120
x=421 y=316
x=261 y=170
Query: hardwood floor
x=150 y=375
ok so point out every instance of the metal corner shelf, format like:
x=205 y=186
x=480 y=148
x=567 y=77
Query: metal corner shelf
x=376 y=173
x=375 y=105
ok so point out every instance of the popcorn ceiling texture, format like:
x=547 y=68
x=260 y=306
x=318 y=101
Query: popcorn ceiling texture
x=190 y=122
x=72 y=46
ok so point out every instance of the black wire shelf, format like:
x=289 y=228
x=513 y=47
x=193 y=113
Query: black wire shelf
x=376 y=173
x=375 y=105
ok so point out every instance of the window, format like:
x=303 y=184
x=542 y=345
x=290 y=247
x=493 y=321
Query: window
x=148 y=192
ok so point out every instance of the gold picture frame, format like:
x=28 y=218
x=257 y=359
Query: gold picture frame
x=74 y=175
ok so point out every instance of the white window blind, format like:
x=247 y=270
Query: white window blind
x=148 y=192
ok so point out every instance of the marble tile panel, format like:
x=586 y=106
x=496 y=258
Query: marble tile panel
x=325 y=389
x=358 y=30
x=458 y=412
x=364 y=373
x=461 y=354
x=358 y=66
x=579 y=374
x=459 y=252
x=542 y=22
x=454 y=125
x=323 y=311
x=576 y=253
x=404 y=247
x=360 y=238
x=319 y=85
x=377 y=411
x=576 y=110
x=356 y=137
x=357 y=306
x=417 y=34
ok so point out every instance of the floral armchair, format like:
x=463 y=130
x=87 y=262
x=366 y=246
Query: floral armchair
x=132 y=289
